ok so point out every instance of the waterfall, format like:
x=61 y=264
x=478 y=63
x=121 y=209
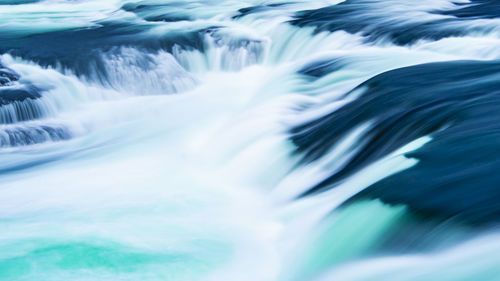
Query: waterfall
x=264 y=140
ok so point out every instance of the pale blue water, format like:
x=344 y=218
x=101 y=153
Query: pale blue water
x=249 y=140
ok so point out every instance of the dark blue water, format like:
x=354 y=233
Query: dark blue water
x=249 y=140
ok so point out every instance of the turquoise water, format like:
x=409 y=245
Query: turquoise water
x=159 y=146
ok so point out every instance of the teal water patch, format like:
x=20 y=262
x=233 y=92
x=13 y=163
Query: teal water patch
x=17 y=2
x=348 y=234
x=81 y=260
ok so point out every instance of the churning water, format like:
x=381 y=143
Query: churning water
x=259 y=140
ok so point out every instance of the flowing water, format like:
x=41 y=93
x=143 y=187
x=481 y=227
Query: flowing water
x=249 y=140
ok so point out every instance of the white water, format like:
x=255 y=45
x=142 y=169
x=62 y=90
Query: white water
x=183 y=170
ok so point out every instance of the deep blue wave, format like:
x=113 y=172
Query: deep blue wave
x=480 y=9
x=81 y=49
x=157 y=11
x=363 y=16
x=457 y=104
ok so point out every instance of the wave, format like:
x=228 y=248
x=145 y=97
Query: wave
x=402 y=23
x=249 y=140
x=450 y=101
